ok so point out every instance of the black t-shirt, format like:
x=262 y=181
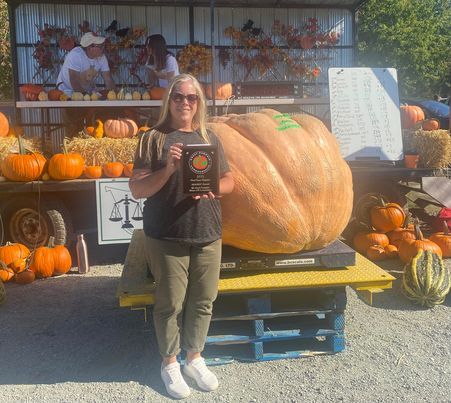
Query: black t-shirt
x=170 y=214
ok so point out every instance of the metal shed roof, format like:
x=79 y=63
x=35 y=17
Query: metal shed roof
x=349 y=4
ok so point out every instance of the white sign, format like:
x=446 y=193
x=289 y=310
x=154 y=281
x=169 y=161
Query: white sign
x=118 y=214
x=364 y=109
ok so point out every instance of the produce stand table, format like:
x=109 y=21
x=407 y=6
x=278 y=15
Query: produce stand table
x=267 y=315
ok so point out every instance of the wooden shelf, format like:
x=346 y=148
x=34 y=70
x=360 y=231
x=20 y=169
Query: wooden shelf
x=157 y=103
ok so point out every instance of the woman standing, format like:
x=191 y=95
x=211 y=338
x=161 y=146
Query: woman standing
x=161 y=63
x=183 y=234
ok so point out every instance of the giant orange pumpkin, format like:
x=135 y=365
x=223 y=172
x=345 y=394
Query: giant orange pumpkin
x=23 y=166
x=4 y=125
x=120 y=128
x=293 y=190
x=410 y=115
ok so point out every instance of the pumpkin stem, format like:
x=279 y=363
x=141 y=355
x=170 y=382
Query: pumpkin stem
x=418 y=233
x=445 y=227
x=64 y=145
x=405 y=224
x=112 y=156
x=51 y=243
x=381 y=200
x=22 y=150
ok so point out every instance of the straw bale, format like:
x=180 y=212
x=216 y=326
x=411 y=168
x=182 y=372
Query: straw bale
x=99 y=151
x=10 y=144
x=434 y=148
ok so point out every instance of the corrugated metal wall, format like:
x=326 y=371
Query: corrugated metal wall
x=173 y=24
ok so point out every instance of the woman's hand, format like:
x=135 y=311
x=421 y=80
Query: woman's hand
x=174 y=158
x=209 y=195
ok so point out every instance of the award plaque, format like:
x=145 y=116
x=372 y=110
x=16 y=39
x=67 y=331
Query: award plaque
x=200 y=168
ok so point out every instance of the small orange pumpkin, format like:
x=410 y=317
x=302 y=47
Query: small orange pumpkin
x=443 y=240
x=410 y=115
x=399 y=234
x=62 y=260
x=6 y=273
x=4 y=125
x=113 y=169
x=120 y=128
x=64 y=166
x=391 y=251
x=408 y=248
x=222 y=90
x=364 y=239
x=387 y=216
x=376 y=252
x=25 y=277
x=430 y=124
x=157 y=92
x=128 y=169
x=55 y=94
x=93 y=171
x=13 y=251
x=23 y=166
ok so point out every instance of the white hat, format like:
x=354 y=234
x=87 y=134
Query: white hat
x=90 y=38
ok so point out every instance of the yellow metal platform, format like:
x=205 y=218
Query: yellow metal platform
x=135 y=289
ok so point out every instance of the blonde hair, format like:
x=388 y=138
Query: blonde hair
x=158 y=132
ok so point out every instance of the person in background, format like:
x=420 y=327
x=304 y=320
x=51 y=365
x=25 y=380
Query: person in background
x=183 y=234
x=83 y=64
x=81 y=68
x=161 y=63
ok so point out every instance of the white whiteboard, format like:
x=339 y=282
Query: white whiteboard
x=364 y=109
x=118 y=213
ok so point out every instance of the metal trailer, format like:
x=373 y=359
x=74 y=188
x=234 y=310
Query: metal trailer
x=32 y=212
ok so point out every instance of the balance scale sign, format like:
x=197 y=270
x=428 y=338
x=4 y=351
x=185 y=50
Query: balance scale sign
x=118 y=213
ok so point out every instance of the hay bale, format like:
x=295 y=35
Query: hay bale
x=434 y=148
x=99 y=151
x=10 y=144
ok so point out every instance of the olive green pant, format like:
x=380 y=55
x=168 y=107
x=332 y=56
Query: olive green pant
x=186 y=279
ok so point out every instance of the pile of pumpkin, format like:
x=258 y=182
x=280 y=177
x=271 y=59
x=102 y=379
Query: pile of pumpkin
x=19 y=264
x=391 y=235
x=35 y=92
x=25 y=166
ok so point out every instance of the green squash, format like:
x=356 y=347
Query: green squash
x=425 y=279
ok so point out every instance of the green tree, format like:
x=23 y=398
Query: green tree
x=414 y=36
x=6 y=75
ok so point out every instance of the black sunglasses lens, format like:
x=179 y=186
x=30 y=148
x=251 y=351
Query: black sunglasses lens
x=192 y=98
x=178 y=98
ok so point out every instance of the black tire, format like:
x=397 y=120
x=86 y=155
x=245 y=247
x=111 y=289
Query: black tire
x=31 y=220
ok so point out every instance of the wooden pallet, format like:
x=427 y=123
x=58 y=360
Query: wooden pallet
x=276 y=326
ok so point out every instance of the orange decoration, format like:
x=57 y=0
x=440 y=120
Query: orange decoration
x=13 y=251
x=66 y=166
x=157 y=92
x=376 y=252
x=222 y=90
x=25 y=277
x=113 y=169
x=62 y=260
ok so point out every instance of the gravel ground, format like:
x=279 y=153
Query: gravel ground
x=66 y=340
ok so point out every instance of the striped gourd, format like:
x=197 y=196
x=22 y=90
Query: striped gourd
x=425 y=279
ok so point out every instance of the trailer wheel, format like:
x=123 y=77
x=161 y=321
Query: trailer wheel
x=31 y=221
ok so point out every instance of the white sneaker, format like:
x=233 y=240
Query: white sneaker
x=205 y=379
x=174 y=382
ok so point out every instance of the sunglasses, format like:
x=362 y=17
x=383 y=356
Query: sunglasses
x=179 y=98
